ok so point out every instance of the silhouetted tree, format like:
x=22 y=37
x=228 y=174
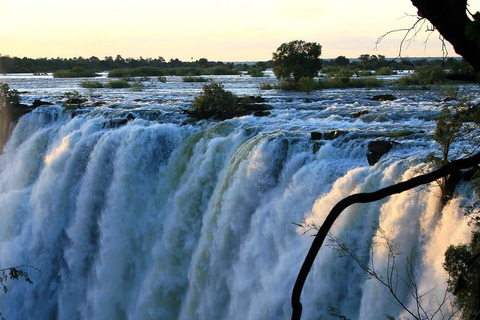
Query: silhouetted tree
x=297 y=59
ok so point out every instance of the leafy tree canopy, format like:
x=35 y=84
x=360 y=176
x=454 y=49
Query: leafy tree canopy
x=297 y=59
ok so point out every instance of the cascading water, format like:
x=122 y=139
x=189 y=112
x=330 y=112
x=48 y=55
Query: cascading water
x=158 y=219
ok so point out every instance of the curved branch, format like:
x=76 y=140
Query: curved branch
x=365 y=198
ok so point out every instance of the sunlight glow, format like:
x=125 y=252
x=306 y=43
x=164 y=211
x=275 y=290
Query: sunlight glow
x=218 y=30
x=59 y=151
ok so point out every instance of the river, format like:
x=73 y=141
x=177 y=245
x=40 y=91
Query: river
x=164 y=218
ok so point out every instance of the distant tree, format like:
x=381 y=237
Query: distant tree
x=297 y=59
x=341 y=61
x=202 y=63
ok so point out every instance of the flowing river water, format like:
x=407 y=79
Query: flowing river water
x=163 y=218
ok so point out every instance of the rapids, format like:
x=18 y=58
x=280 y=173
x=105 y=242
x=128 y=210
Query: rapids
x=162 y=218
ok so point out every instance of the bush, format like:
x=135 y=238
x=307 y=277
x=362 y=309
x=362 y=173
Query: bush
x=73 y=100
x=424 y=75
x=344 y=82
x=220 y=70
x=267 y=86
x=136 y=72
x=8 y=97
x=195 y=79
x=91 y=84
x=77 y=72
x=214 y=100
x=117 y=84
x=385 y=71
x=162 y=79
x=255 y=72
x=306 y=84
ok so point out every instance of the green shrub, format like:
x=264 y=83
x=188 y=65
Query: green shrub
x=255 y=72
x=162 y=79
x=287 y=85
x=195 y=79
x=77 y=72
x=424 y=75
x=306 y=84
x=220 y=70
x=340 y=83
x=385 y=71
x=364 y=73
x=91 y=84
x=267 y=86
x=214 y=100
x=400 y=133
x=136 y=72
x=117 y=84
x=8 y=97
x=73 y=100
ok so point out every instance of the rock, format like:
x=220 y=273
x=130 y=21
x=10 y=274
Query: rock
x=360 y=113
x=333 y=134
x=377 y=149
x=257 y=99
x=379 y=146
x=258 y=107
x=384 y=97
x=317 y=146
x=470 y=173
x=115 y=123
x=261 y=113
x=315 y=135
x=130 y=117
x=329 y=135
x=37 y=103
x=373 y=158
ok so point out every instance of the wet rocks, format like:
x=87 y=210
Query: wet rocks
x=384 y=97
x=377 y=149
x=327 y=135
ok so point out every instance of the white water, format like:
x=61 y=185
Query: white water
x=161 y=220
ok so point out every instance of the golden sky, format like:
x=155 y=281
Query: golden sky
x=228 y=30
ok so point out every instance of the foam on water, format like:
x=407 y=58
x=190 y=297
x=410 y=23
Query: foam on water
x=159 y=220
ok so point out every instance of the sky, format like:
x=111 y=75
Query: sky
x=219 y=30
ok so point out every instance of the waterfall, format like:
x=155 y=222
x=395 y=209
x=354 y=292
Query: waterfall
x=167 y=221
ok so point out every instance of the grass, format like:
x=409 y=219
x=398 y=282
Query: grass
x=343 y=83
x=117 y=84
x=77 y=72
x=91 y=84
x=195 y=79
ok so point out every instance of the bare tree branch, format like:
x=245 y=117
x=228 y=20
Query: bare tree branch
x=366 y=198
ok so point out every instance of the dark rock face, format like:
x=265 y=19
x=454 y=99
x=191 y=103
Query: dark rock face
x=258 y=107
x=360 y=113
x=384 y=97
x=333 y=134
x=315 y=135
x=37 y=103
x=328 y=135
x=261 y=113
x=377 y=149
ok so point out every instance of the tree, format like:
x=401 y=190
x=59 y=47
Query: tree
x=213 y=101
x=463 y=264
x=341 y=61
x=297 y=59
x=451 y=19
x=366 y=198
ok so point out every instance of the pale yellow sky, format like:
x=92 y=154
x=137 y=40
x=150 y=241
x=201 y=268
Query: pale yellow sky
x=228 y=30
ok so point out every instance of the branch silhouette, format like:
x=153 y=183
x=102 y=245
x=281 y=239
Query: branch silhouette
x=365 y=198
